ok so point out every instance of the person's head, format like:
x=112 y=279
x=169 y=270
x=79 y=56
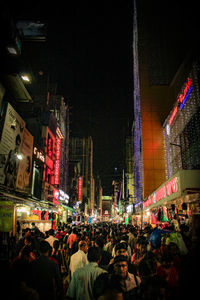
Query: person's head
x=28 y=240
x=120 y=266
x=121 y=249
x=83 y=245
x=107 y=287
x=27 y=232
x=99 y=243
x=51 y=232
x=45 y=248
x=142 y=246
x=112 y=240
x=56 y=245
x=94 y=254
x=147 y=267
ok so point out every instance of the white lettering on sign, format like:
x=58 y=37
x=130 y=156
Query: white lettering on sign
x=168 y=189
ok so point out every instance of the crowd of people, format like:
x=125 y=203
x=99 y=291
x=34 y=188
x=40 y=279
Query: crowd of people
x=105 y=261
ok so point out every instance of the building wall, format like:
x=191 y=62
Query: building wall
x=156 y=97
x=153 y=101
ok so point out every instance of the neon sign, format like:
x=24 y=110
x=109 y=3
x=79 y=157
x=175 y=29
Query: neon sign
x=182 y=98
x=80 y=183
x=165 y=191
x=57 y=161
x=56 y=196
x=174 y=113
x=38 y=154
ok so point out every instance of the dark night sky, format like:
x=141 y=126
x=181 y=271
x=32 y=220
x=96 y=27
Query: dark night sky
x=88 y=52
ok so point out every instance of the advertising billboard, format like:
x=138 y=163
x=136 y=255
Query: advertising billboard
x=24 y=173
x=10 y=147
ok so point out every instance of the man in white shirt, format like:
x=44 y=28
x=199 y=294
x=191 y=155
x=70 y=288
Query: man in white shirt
x=51 y=238
x=82 y=283
x=79 y=259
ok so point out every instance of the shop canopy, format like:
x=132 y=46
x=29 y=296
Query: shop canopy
x=180 y=184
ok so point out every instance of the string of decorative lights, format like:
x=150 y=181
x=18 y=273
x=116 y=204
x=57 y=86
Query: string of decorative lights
x=182 y=127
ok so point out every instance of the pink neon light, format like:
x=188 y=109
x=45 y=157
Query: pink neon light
x=187 y=87
x=57 y=162
x=174 y=113
x=181 y=98
x=80 y=183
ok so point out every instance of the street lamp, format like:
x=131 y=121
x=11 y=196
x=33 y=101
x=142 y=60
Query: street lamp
x=19 y=156
x=26 y=78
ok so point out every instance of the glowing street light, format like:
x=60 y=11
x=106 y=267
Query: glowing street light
x=19 y=156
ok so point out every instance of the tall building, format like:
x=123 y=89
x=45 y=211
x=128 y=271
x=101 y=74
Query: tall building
x=166 y=111
x=157 y=56
x=81 y=149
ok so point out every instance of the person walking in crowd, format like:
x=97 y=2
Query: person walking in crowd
x=82 y=283
x=72 y=238
x=79 y=259
x=107 y=287
x=21 y=242
x=128 y=281
x=162 y=264
x=44 y=275
x=51 y=238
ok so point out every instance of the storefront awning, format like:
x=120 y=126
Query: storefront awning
x=180 y=184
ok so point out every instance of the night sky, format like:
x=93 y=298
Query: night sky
x=88 y=52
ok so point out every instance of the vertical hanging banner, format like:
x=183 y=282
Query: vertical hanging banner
x=57 y=161
x=80 y=188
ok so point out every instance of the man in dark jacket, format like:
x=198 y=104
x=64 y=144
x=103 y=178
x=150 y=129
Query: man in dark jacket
x=44 y=275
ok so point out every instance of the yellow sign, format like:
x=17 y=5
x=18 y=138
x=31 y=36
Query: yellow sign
x=6 y=216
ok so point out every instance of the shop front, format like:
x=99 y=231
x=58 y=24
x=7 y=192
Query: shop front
x=177 y=198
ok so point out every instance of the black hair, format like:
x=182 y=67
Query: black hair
x=100 y=242
x=105 y=283
x=94 y=254
x=51 y=232
x=56 y=245
x=122 y=245
x=44 y=247
x=120 y=258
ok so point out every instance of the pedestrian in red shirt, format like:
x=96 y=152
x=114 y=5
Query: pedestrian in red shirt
x=72 y=239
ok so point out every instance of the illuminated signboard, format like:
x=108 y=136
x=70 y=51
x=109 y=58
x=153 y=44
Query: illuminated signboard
x=56 y=196
x=80 y=183
x=57 y=161
x=63 y=196
x=165 y=191
x=38 y=154
x=182 y=98
x=174 y=113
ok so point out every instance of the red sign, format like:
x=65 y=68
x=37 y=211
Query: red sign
x=80 y=185
x=165 y=191
x=181 y=97
x=57 y=161
x=174 y=113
